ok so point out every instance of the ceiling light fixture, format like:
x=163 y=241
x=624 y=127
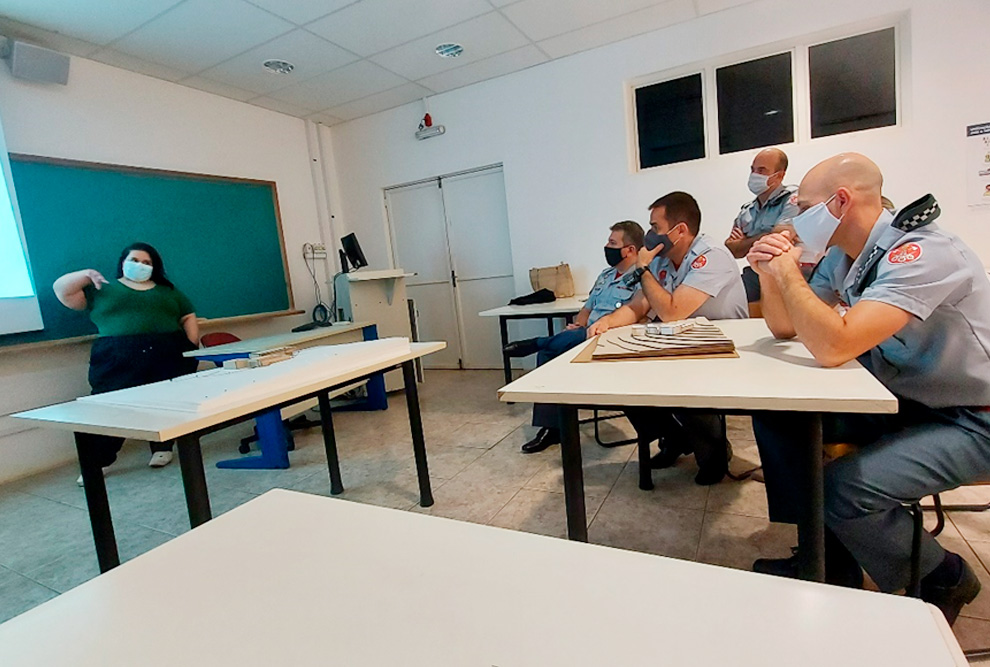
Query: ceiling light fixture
x=278 y=66
x=450 y=50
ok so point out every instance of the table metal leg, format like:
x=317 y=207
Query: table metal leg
x=811 y=531
x=416 y=428
x=330 y=444
x=194 y=480
x=570 y=458
x=99 y=507
x=503 y=326
x=550 y=326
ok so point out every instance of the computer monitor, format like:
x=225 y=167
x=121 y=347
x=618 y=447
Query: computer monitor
x=352 y=253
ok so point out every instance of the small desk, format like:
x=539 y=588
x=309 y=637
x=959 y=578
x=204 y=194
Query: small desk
x=769 y=374
x=565 y=308
x=272 y=437
x=364 y=585
x=186 y=428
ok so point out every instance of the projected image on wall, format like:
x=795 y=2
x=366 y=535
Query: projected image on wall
x=18 y=301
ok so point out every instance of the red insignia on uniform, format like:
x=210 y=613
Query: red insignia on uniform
x=663 y=275
x=904 y=254
x=699 y=263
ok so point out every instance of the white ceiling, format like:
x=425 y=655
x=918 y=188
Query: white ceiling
x=352 y=57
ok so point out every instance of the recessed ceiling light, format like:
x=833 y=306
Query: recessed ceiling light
x=449 y=50
x=278 y=66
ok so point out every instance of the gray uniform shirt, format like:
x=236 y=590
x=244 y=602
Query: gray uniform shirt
x=755 y=219
x=712 y=270
x=942 y=357
x=608 y=293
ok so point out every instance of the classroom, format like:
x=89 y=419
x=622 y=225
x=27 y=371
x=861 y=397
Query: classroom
x=257 y=258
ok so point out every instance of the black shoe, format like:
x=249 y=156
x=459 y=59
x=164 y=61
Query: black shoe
x=709 y=476
x=521 y=348
x=667 y=456
x=850 y=576
x=543 y=439
x=951 y=599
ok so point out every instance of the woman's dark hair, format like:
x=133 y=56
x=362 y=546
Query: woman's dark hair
x=157 y=266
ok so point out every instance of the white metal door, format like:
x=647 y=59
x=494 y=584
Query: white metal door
x=481 y=258
x=419 y=244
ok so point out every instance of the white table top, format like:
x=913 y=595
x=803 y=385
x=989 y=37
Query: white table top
x=279 y=340
x=164 y=425
x=561 y=306
x=415 y=590
x=386 y=274
x=769 y=374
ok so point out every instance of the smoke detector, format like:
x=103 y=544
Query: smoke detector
x=278 y=66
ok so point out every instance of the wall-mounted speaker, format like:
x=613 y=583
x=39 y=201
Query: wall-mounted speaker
x=36 y=63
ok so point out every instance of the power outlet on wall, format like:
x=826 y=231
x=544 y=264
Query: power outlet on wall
x=314 y=251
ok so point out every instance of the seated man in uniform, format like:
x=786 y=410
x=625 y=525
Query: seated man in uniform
x=609 y=292
x=918 y=318
x=758 y=217
x=681 y=275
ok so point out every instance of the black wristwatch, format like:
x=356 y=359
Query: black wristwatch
x=635 y=276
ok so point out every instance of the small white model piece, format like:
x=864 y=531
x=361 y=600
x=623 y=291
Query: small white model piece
x=670 y=328
x=639 y=331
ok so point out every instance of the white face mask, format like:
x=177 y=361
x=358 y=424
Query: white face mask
x=815 y=228
x=136 y=271
x=757 y=183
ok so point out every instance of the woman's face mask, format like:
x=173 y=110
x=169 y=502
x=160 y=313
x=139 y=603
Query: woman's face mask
x=815 y=228
x=136 y=271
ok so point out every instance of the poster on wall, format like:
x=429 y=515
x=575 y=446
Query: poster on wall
x=978 y=164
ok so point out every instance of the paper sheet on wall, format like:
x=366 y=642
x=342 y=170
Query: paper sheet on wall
x=978 y=164
x=218 y=389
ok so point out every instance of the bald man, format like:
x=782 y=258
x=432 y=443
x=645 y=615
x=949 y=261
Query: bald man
x=918 y=317
x=756 y=218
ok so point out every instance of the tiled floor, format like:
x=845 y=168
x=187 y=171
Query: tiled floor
x=478 y=475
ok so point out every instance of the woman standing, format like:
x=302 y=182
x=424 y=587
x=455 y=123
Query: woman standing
x=144 y=325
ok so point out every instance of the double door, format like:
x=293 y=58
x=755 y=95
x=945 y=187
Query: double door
x=453 y=232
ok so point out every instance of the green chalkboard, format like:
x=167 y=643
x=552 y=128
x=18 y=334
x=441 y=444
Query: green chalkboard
x=220 y=238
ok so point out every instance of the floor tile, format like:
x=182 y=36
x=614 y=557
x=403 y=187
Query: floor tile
x=19 y=594
x=746 y=498
x=736 y=541
x=972 y=525
x=980 y=607
x=629 y=522
x=80 y=565
x=972 y=634
x=541 y=512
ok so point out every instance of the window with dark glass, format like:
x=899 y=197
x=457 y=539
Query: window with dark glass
x=755 y=104
x=853 y=83
x=670 y=121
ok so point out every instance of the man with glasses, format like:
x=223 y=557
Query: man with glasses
x=610 y=291
x=772 y=206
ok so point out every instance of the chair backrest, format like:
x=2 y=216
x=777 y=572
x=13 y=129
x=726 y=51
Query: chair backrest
x=218 y=338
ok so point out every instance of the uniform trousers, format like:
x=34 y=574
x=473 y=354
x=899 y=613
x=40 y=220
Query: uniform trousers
x=550 y=347
x=900 y=459
x=697 y=431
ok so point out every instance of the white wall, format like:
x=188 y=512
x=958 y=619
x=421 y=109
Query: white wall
x=560 y=129
x=110 y=115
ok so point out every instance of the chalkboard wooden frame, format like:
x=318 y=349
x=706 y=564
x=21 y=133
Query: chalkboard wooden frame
x=15 y=341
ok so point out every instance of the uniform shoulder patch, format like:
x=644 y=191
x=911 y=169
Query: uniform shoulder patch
x=905 y=253
x=699 y=263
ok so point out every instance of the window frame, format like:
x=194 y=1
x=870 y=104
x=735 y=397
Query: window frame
x=799 y=47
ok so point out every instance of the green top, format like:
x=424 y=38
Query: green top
x=118 y=310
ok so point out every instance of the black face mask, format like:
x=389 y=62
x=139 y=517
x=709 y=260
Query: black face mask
x=613 y=256
x=652 y=240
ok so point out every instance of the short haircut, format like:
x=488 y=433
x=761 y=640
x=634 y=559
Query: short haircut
x=632 y=233
x=781 y=160
x=680 y=207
